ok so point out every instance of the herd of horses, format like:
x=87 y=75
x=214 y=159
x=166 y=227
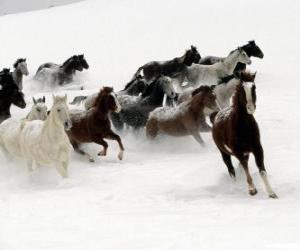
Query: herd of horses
x=180 y=97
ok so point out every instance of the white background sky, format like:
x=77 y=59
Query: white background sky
x=13 y=6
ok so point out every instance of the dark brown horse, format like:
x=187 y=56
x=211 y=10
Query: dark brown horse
x=94 y=125
x=186 y=119
x=173 y=68
x=236 y=133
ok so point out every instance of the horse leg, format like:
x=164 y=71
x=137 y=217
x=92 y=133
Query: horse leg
x=80 y=151
x=61 y=169
x=227 y=160
x=259 y=159
x=30 y=165
x=151 y=128
x=244 y=161
x=112 y=136
x=104 y=144
x=198 y=137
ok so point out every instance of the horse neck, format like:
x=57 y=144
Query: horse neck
x=196 y=105
x=67 y=67
x=157 y=96
x=17 y=75
x=5 y=103
x=247 y=48
x=230 y=62
x=101 y=111
x=239 y=110
x=51 y=129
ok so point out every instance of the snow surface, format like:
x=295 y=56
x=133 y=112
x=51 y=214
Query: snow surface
x=170 y=193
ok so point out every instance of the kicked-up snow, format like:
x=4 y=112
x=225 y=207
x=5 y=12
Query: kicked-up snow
x=169 y=193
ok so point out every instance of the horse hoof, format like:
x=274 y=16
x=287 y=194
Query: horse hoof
x=102 y=153
x=273 y=196
x=120 y=155
x=253 y=191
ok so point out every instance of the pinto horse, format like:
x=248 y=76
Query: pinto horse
x=188 y=118
x=236 y=133
x=94 y=125
x=251 y=48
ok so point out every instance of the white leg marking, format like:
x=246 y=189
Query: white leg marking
x=268 y=188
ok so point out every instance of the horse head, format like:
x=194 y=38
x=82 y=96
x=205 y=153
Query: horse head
x=21 y=65
x=191 y=56
x=83 y=61
x=253 y=50
x=60 y=112
x=242 y=56
x=107 y=100
x=38 y=110
x=204 y=96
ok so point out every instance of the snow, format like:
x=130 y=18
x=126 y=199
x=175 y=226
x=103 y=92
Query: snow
x=169 y=193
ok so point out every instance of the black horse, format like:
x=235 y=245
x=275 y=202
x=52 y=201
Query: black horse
x=56 y=74
x=173 y=68
x=250 y=48
x=135 y=113
x=9 y=94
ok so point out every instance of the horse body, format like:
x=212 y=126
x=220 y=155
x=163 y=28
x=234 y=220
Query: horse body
x=236 y=133
x=210 y=74
x=175 y=68
x=11 y=128
x=46 y=142
x=135 y=110
x=188 y=118
x=94 y=125
x=250 y=48
x=55 y=74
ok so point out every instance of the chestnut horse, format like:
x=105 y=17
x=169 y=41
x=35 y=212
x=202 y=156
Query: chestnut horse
x=93 y=125
x=236 y=133
x=188 y=118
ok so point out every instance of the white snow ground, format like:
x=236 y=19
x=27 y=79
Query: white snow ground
x=169 y=194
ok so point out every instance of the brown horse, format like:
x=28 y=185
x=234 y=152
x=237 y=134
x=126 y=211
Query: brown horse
x=186 y=119
x=94 y=125
x=236 y=133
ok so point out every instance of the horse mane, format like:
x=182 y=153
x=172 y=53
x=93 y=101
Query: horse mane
x=68 y=60
x=151 y=86
x=103 y=92
x=20 y=60
x=203 y=88
x=235 y=97
x=138 y=77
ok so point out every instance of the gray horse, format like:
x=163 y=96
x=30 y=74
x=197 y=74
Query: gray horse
x=20 y=69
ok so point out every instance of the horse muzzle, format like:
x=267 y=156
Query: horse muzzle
x=68 y=125
x=250 y=109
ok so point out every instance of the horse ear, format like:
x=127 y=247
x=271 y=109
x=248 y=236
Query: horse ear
x=44 y=99
x=34 y=101
x=65 y=98
x=251 y=42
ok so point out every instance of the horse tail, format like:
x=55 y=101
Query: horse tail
x=152 y=128
x=212 y=117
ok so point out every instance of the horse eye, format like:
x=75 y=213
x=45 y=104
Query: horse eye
x=58 y=110
x=38 y=110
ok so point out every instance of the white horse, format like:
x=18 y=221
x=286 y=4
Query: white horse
x=210 y=74
x=11 y=128
x=46 y=142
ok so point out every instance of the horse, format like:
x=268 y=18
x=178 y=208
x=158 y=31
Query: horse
x=46 y=142
x=133 y=88
x=20 y=69
x=94 y=125
x=136 y=109
x=250 y=48
x=9 y=94
x=188 y=118
x=58 y=75
x=175 y=68
x=236 y=133
x=10 y=129
x=210 y=74
x=38 y=110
